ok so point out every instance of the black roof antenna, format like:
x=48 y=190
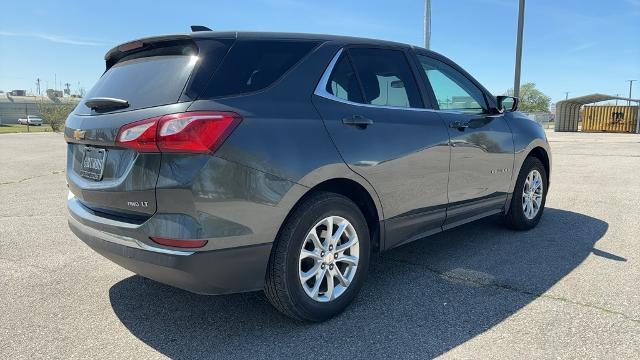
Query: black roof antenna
x=196 y=28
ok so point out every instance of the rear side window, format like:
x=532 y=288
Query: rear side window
x=343 y=82
x=386 y=77
x=252 y=65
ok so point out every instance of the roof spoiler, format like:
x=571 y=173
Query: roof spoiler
x=114 y=55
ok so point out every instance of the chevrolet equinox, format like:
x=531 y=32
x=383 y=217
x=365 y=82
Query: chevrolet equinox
x=223 y=162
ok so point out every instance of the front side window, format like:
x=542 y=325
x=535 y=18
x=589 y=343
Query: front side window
x=453 y=91
x=385 y=77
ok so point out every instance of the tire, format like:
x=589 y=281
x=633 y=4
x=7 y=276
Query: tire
x=284 y=285
x=518 y=218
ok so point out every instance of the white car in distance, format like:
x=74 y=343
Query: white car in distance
x=30 y=120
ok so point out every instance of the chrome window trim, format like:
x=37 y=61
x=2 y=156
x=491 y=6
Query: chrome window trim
x=321 y=90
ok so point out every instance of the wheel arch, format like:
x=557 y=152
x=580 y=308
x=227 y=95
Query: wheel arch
x=538 y=149
x=542 y=155
x=355 y=192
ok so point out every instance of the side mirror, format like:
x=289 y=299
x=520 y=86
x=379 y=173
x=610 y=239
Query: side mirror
x=507 y=103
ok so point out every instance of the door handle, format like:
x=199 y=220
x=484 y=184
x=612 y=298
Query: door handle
x=458 y=125
x=358 y=121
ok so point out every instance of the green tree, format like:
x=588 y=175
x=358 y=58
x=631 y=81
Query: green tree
x=531 y=99
x=55 y=114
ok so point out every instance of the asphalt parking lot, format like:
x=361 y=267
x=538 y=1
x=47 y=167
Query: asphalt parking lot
x=568 y=289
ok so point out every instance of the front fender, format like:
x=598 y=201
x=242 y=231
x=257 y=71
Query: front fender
x=528 y=135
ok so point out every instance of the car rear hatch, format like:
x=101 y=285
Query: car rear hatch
x=144 y=79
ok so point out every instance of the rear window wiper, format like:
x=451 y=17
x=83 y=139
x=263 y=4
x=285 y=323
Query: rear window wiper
x=106 y=104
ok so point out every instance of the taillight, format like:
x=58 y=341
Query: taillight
x=193 y=132
x=139 y=135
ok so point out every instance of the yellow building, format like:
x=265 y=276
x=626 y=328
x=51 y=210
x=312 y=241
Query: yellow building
x=610 y=118
x=579 y=113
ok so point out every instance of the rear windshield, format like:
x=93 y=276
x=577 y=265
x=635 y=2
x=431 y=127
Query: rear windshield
x=252 y=65
x=162 y=75
x=145 y=82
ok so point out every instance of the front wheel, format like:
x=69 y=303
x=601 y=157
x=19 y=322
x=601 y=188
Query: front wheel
x=320 y=258
x=529 y=196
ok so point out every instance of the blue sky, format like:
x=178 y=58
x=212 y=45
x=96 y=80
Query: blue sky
x=570 y=45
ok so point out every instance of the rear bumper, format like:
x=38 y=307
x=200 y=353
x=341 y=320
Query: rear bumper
x=208 y=272
x=237 y=209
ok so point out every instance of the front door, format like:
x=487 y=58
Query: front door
x=481 y=143
x=375 y=114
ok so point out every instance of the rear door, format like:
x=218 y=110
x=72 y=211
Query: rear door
x=155 y=78
x=371 y=105
x=481 y=142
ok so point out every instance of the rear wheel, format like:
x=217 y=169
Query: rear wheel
x=320 y=259
x=529 y=196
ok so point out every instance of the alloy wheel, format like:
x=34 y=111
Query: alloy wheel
x=329 y=258
x=532 y=194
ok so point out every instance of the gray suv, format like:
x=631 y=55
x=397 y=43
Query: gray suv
x=222 y=162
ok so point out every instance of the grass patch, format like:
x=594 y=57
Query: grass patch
x=17 y=128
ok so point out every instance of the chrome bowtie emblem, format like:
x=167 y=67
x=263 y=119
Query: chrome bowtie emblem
x=79 y=134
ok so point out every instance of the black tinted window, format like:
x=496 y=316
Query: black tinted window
x=146 y=81
x=386 y=77
x=252 y=65
x=343 y=82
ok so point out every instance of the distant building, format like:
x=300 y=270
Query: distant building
x=54 y=93
x=14 y=107
x=582 y=114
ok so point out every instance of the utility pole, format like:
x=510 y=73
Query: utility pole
x=26 y=115
x=630 y=88
x=427 y=24
x=38 y=85
x=566 y=95
x=617 y=95
x=516 y=80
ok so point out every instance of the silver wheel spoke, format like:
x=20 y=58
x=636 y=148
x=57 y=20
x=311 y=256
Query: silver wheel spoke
x=351 y=260
x=330 y=286
x=343 y=280
x=316 y=288
x=347 y=245
x=328 y=233
x=310 y=254
x=314 y=238
x=537 y=200
x=311 y=273
x=338 y=234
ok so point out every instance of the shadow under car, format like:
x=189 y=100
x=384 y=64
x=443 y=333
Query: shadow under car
x=424 y=298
